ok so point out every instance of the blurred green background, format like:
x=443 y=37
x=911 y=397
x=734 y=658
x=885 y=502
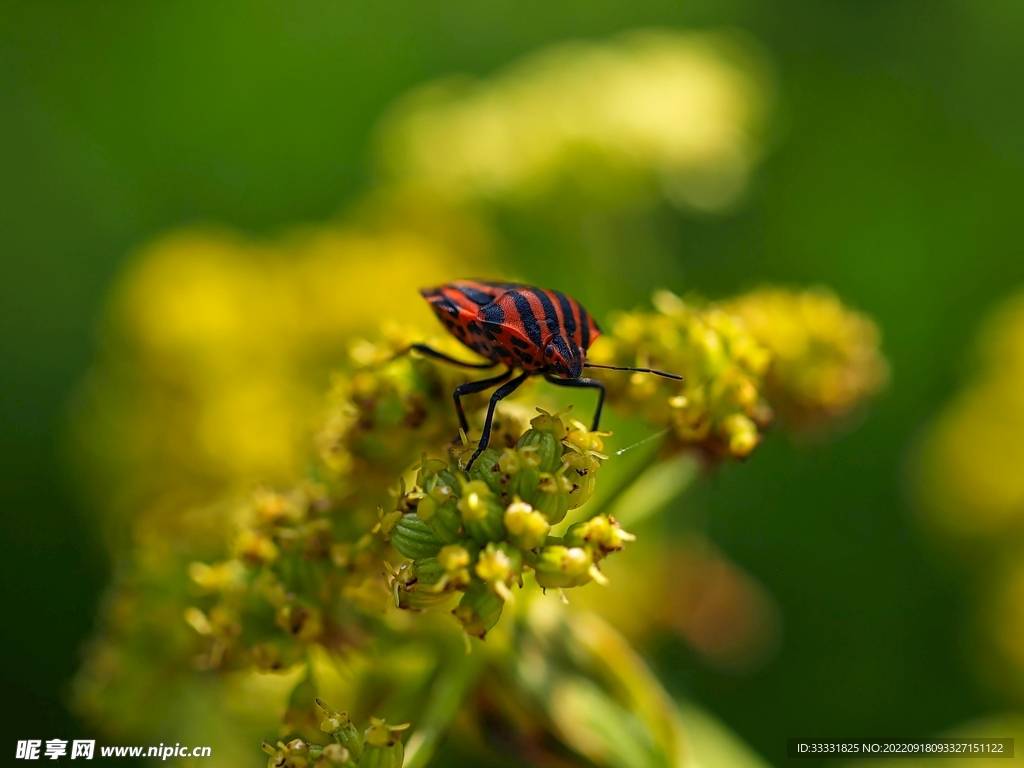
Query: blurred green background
x=894 y=175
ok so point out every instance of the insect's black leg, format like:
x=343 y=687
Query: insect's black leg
x=423 y=349
x=584 y=384
x=504 y=391
x=470 y=388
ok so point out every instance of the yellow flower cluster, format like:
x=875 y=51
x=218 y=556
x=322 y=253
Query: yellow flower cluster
x=825 y=358
x=719 y=406
x=389 y=408
x=301 y=572
x=801 y=354
x=476 y=533
x=683 y=109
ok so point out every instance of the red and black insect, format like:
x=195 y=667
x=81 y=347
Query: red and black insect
x=540 y=332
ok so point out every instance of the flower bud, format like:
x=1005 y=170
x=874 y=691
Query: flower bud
x=294 y=754
x=445 y=522
x=547 y=445
x=453 y=560
x=497 y=567
x=582 y=470
x=550 y=423
x=509 y=462
x=473 y=501
x=414 y=538
x=558 y=566
x=527 y=528
x=479 y=609
x=482 y=514
x=333 y=755
x=487 y=469
x=383 y=745
x=341 y=730
x=426 y=508
x=417 y=585
x=552 y=497
x=453 y=557
x=601 y=535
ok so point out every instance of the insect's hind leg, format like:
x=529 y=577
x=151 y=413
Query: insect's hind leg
x=423 y=349
x=470 y=388
x=502 y=392
x=583 y=384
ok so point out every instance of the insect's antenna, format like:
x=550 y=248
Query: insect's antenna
x=636 y=370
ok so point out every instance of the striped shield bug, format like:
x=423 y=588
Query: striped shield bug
x=536 y=331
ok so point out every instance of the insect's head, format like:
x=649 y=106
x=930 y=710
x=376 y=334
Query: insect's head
x=563 y=357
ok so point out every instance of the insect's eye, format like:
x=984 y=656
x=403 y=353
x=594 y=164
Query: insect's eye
x=549 y=351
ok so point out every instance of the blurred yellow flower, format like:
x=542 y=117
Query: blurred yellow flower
x=218 y=350
x=971 y=479
x=684 y=109
x=825 y=357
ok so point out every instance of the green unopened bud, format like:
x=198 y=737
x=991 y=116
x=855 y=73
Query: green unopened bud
x=558 y=566
x=552 y=497
x=341 y=730
x=487 y=469
x=446 y=522
x=383 y=745
x=583 y=473
x=414 y=538
x=479 y=609
x=547 y=445
x=419 y=585
x=527 y=528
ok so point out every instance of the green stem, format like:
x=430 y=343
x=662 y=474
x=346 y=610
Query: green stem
x=653 y=489
x=446 y=698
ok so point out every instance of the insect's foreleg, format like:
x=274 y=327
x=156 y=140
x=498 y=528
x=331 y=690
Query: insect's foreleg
x=584 y=384
x=470 y=388
x=423 y=349
x=504 y=391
